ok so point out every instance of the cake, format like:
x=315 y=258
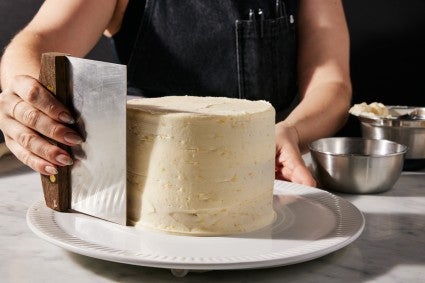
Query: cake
x=200 y=165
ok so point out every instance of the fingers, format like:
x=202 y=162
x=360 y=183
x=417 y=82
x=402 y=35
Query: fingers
x=32 y=92
x=36 y=163
x=289 y=164
x=35 y=119
x=297 y=173
x=35 y=107
x=33 y=150
x=28 y=114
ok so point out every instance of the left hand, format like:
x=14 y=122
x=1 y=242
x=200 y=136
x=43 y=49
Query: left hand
x=289 y=164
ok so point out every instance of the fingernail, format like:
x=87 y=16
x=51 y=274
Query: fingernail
x=64 y=159
x=51 y=170
x=66 y=118
x=72 y=138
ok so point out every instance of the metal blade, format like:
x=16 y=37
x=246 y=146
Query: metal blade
x=98 y=176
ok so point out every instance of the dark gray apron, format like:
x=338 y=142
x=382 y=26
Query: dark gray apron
x=211 y=48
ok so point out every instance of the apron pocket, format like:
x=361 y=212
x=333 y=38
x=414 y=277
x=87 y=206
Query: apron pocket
x=266 y=61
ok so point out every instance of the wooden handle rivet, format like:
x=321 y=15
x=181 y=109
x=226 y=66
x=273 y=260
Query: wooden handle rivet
x=52 y=178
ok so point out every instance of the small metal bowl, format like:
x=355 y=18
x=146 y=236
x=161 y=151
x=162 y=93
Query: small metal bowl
x=357 y=165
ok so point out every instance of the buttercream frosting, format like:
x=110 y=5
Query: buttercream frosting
x=200 y=165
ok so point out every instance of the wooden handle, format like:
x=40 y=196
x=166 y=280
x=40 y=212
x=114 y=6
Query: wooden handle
x=54 y=75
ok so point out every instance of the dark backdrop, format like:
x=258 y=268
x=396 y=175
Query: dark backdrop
x=387 y=48
x=387 y=53
x=14 y=14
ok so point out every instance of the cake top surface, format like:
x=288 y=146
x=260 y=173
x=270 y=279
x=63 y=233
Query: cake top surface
x=199 y=105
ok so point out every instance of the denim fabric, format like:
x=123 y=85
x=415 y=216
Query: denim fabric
x=266 y=61
x=211 y=48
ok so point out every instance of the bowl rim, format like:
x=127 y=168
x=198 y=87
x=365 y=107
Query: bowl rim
x=403 y=150
x=393 y=121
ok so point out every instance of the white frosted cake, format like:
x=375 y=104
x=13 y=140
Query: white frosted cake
x=200 y=165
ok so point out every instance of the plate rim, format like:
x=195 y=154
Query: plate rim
x=43 y=228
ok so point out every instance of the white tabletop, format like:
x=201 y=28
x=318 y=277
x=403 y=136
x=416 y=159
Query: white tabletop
x=390 y=249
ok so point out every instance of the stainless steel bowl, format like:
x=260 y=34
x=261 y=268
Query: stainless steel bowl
x=406 y=126
x=357 y=165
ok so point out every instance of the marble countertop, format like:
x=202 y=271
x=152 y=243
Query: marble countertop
x=390 y=249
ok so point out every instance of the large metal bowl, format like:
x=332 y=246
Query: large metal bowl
x=401 y=128
x=357 y=165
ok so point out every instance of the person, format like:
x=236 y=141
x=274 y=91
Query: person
x=279 y=49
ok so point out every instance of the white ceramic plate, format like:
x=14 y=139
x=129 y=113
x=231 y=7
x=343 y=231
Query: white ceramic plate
x=310 y=223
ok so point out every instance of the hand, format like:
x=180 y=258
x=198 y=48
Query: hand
x=289 y=164
x=27 y=113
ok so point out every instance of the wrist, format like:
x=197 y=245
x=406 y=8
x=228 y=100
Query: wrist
x=287 y=133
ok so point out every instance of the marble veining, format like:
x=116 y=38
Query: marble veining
x=390 y=249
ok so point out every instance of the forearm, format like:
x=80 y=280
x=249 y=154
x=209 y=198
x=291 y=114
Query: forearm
x=321 y=113
x=21 y=57
x=68 y=26
x=323 y=72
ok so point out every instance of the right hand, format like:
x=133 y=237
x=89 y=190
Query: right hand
x=289 y=164
x=28 y=114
